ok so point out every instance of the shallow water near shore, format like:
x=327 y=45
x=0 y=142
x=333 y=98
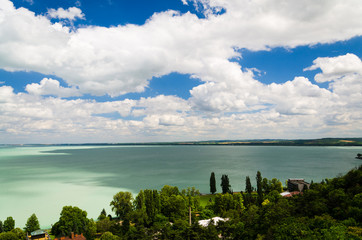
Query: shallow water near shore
x=42 y=180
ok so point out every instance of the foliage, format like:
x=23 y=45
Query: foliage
x=19 y=233
x=74 y=219
x=104 y=225
x=1 y=227
x=259 y=187
x=9 y=224
x=32 y=224
x=225 y=184
x=8 y=236
x=122 y=204
x=103 y=215
x=331 y=209
x=212 y=183
x=109 y=236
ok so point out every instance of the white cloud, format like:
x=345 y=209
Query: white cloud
x=71 y=13
x=122 y=59
x=230 y=102
x=336 y=67
x=50 y=86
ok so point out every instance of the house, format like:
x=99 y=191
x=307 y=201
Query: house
x=38 y=235
x=73 y=237
x=297 y=184
x=215 y=220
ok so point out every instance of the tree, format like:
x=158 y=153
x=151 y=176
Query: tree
x=32 y=224
x=19 y=233
x=73 y=219
x=8 y=236
x=103 y=215
x=259 y=187
x=9 y=224
x=122 y=204
x=248 y=187
x=109 y=236
x=225 y=185
x=1 y=227
x=212 y=183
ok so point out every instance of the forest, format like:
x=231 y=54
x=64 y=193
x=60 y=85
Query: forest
x=331 y=209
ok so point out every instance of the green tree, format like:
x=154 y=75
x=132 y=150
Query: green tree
x=103 y=215
x=104 y=225
x=122 y=204
x=109 y=236
x=248 y=187
x=140 y=201
x=19 y=233
x=9 y=224
x=8 y=236
x=73 y=219
x=1 y=227
x=225 y=184
x=212 y=183
x=259 y=187
x=32 y=224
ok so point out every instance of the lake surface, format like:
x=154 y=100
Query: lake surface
x=42 y=180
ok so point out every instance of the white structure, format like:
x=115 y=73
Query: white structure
x=215 y=220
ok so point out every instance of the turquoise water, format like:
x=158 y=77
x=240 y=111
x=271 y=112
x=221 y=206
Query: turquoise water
x=42 y=180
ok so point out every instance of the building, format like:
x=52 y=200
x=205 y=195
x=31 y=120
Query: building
x=215 y=220
x=72 y=237
x=297 y=184
x=38 y=235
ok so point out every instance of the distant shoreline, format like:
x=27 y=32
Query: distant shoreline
x=343 y=142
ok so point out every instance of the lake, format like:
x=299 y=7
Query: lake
x=42 y=180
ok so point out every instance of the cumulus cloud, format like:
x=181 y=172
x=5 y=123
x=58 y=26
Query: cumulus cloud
x=71 y=13
x=228 y=103
x=50 y=86
x=122 y=59
x=336 y=67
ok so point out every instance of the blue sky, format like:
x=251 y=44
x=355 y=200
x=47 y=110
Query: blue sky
x=136 y=71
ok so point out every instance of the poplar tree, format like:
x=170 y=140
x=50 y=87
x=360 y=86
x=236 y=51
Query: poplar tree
x=259 y=187
x=248 y=187
x=212 y=183
x=248 y=190
x=225 y=184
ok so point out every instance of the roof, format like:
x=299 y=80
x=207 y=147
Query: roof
x=37 y=232
x=206 y=222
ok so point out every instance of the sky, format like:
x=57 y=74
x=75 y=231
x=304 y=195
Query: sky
x=107 y=71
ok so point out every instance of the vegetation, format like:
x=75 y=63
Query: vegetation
x=225 y=184
x=331 y=209
x=32 y=224
x=212 y=183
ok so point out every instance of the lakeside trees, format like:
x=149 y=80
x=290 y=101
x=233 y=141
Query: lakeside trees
x=331 y=209
x=9 y=224
x=74 y=220
x=32 y=224
x=225 y=184
x=212 y=183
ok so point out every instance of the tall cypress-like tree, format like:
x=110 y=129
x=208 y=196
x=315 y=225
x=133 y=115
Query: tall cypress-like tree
x=1 y=226
x=259 y=187
x=212 y=183
x=225 y=184
x=248 y=187
x=32 y=224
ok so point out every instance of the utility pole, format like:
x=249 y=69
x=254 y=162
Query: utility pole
x=190 y=215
